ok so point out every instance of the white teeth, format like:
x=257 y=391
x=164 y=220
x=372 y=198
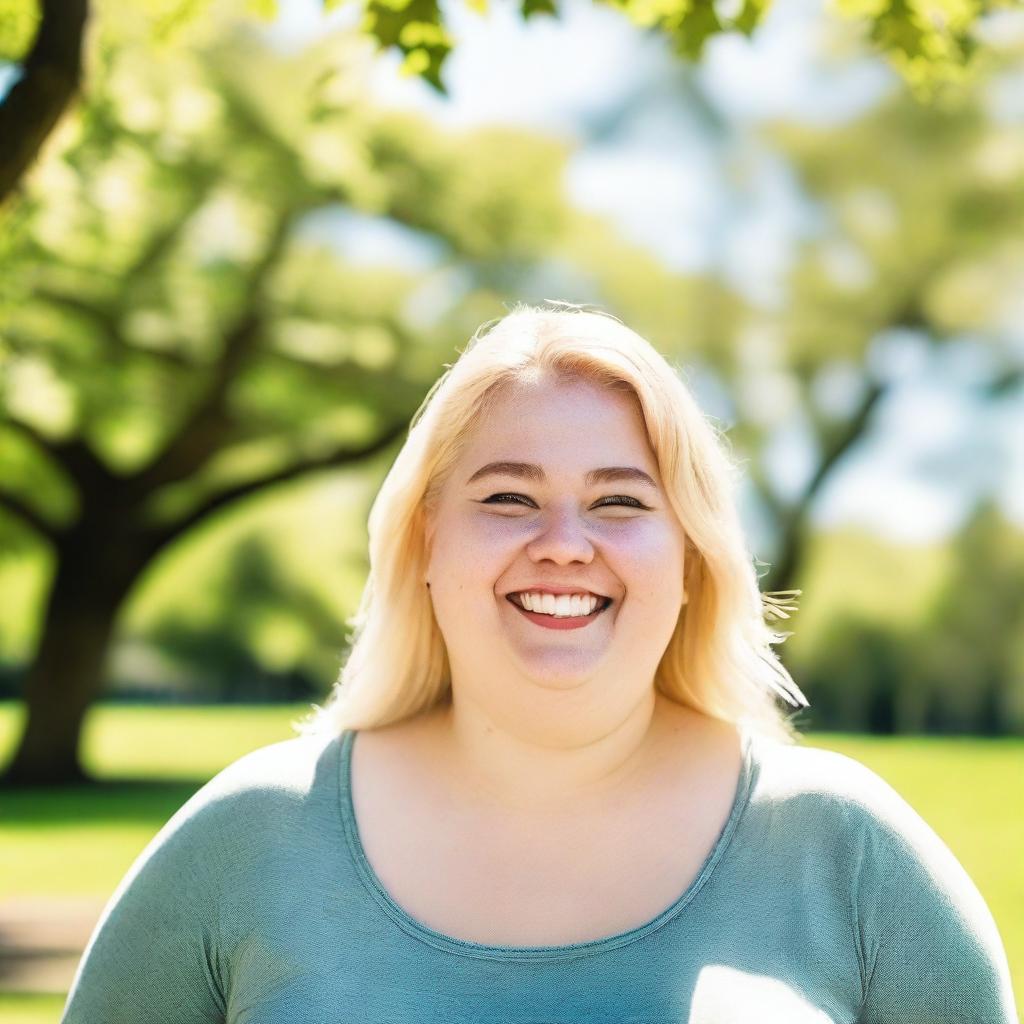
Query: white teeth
x=560 y=606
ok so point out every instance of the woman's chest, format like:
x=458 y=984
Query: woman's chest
x=523 y=882
x=578 y=888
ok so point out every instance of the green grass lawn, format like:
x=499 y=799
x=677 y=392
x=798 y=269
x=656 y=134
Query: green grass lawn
x=970 y=791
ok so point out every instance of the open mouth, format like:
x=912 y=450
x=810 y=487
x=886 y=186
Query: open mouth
x=602 y=604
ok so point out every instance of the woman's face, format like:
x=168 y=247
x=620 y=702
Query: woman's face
x=504 y=531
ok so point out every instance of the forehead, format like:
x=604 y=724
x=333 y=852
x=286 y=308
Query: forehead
x=563 y=397
x=562 y=423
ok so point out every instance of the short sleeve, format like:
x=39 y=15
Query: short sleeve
x=154 y=953
x=930 y=947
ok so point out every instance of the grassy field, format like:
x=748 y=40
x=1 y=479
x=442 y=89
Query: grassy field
x=970 y=791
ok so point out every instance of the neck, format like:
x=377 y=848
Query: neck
x=512 y=772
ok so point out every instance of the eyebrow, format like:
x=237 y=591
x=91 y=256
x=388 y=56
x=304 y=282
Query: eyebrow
x=527 y=471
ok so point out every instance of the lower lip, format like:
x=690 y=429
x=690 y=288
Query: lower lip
x=553 y=622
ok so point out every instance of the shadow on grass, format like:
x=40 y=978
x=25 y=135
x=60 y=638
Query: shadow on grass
x=108 y=801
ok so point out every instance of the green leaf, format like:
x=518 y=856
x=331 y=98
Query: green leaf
x=416 y=63
x=18 y=22
x=696 y=26
x=750 y=16
x=531 y=7
x=928 y=41
x=416 y=28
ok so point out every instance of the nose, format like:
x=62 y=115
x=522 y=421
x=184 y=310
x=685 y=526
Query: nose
x=561 y=537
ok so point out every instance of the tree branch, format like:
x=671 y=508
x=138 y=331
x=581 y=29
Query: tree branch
x=1006 y=381
x=73 y=455
x=51 y=76
x=12 y=503
x=202 y=433
x=784 y=570
x=157 y=537
x=759 y=479
x=165 y=238
x=106 y=323
x=27 y=431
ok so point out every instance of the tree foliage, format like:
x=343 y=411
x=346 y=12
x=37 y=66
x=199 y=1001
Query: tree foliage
x=173 y=343
x=953 y=666
x=174 y=339
x=929 y=41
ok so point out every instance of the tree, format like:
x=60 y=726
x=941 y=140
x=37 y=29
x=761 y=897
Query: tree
x=161 y=288
x=968 y=650
x=930 y=42
x=173 y=342
x=942 y=654
x=50 y=76
x=920 y=214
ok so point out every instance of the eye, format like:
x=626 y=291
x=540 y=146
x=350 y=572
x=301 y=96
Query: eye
x=624 y=499
x=495 y=499
x=617 y=499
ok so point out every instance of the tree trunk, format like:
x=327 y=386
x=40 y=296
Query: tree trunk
x=50 y=78
x=92 y=577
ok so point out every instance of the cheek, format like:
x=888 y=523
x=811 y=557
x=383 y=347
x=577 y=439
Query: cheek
x=472 y=548
x=492 y=537
x=648 y=555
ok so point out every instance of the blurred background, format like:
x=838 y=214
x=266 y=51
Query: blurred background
x=253 y=240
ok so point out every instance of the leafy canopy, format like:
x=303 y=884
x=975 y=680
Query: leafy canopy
x=930 y=42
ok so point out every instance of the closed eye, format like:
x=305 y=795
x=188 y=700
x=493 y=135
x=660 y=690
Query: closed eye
x=617 y=499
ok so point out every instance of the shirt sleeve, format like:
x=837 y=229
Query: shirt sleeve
x=154 y=954
x=930 y=948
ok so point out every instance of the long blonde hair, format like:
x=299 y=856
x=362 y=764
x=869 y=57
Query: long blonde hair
x=719 y=660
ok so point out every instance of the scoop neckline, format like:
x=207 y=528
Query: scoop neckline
x=467 y=947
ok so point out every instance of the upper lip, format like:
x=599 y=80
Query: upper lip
x=546 y=588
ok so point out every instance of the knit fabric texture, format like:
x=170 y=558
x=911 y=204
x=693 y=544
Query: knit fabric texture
x=826 y=898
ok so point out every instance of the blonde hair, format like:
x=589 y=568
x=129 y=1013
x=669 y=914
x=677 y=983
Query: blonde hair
x=719 y=660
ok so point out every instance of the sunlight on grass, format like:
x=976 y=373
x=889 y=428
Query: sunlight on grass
x=31 y=1008
x=172 y=742
x=181 y=747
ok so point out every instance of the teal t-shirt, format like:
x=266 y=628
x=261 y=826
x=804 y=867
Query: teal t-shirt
x=826 y=898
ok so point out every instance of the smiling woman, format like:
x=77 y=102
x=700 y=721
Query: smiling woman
x=562 y=450
x=554 y=782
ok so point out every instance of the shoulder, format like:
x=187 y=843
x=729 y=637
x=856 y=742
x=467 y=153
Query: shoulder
x=287 y=766
x=820 y=780
x=926 y=939
x=840 y=804
x=834 y=802
x=281 y=783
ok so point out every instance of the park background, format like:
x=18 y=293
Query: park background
x=252 y=243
